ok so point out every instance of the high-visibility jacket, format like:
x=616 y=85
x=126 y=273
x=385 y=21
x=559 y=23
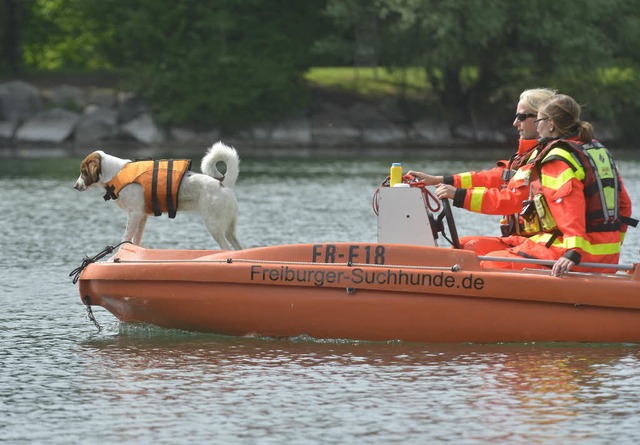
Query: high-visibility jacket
x=598 y=172
x=552 y=174
x=498 y=177
x=160 y=180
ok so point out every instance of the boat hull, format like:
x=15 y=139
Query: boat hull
x=362 y=291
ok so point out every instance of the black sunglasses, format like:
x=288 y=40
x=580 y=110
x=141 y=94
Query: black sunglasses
x=524 y=116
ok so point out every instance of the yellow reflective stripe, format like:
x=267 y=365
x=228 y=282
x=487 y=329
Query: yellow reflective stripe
x=574 y=242
x=561 y=152
x=476 y=199
x=554 y=182
x=544 y=237
x=577 y=242
x=465 y=180
x=521 y=174
x=564 y=154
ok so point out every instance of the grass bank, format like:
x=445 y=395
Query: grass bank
x=371 y=82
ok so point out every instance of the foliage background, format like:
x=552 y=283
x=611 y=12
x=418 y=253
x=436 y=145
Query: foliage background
x=229 y=63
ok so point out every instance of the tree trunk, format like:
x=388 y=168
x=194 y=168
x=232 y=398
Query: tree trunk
x=12 y=36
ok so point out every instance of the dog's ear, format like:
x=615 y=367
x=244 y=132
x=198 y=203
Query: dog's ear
x=91 y=169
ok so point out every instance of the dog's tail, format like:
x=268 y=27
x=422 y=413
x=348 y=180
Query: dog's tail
x=220 y=152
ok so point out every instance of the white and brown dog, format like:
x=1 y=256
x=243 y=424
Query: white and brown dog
x=167 y=186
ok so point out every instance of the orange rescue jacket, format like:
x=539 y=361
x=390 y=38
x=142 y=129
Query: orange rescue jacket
x=563 y=188
x=160 y=180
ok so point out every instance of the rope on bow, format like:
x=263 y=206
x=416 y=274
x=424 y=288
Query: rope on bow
x=75 y=273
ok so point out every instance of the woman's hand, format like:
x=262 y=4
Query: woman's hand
x=562 y=266
x=445 y=191
x=428 y=179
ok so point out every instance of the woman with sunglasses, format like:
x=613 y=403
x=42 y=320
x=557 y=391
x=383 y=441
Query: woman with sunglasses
x=499 y=177
x=576 y=206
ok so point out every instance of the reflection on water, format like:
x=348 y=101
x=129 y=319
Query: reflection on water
x=509 y=393
x=63 y=382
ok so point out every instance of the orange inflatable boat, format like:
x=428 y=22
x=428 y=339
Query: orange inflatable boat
x=389 y=290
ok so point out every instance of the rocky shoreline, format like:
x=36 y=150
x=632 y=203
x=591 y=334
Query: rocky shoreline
x=51 y=120
x=72 y=118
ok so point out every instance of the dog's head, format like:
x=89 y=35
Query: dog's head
x=90 y=170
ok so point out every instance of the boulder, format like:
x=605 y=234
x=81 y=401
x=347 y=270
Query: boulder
x=475 y=134
x=55 y=125
x=7 y=129
x=432 y=131
x=260 y=131
x=19 y=100
x=380 y=132
x=131 y=107
x=143 y=129
x=375 y=127
x=331 y=126
x=68 y=97
x=102 y=97
x=333 y=130
x=185 y=135
x=292 y=131
x=99 y=123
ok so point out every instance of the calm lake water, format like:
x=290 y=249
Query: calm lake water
x=63 y=382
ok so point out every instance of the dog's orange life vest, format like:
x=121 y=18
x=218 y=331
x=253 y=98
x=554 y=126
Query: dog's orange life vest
x=160 y=180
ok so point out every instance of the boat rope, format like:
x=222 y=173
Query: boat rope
x=453 y=268
x=431 y=201
x=75 y=273
x=87 y=301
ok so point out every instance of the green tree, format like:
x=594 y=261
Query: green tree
x=357 y=38
x=479 y=55
x=578 y=47
x=57 y=35
x=216 y=62
x=13 y=14
x=228 y=63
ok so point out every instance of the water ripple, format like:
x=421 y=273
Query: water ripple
x=63 y=382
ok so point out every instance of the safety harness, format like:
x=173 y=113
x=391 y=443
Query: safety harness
x=160 y=180
x=601 y=181
x=510 y=224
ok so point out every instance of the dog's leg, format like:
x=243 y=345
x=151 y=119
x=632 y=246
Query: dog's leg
x=231 y=236
x=137 y=236
x=224 y=245
x=217 y=233
x=234 y=242
x=135 y=227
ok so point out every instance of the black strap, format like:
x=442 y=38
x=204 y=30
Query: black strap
x=171 y=207
x=155 y=205
x=556 y=233
x=110 y=193
x=605 y=227
x=629 y=221
x=507 y=174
